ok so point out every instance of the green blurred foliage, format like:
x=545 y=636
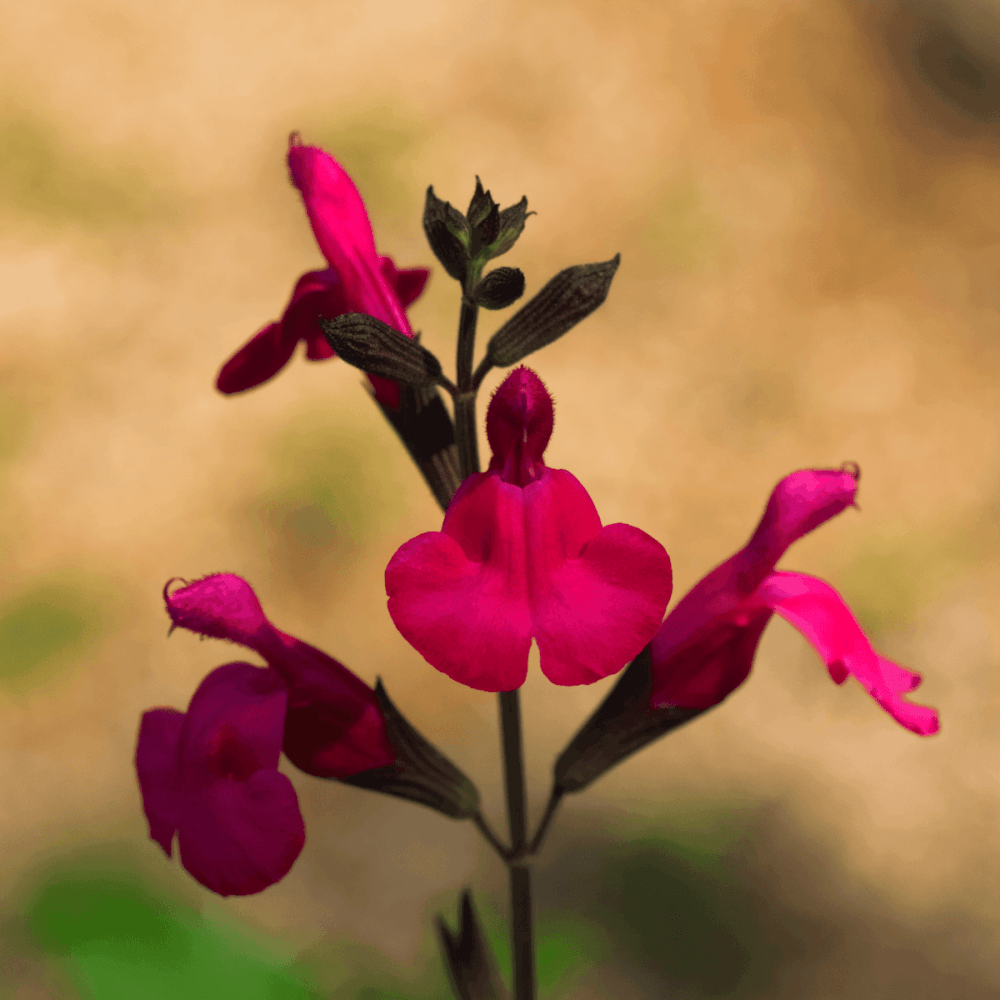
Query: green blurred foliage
x=374 y=149
x=118 y=939
x=680 y=230
x=15 y=423
x=46 y=626
x=565 y=945
x=331 y=491
x=890 y=581
x=42 y=176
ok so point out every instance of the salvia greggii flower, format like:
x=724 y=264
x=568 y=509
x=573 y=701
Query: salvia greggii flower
x=521 y=555
x=210 y=776
x=224 y=750
x=706 y=645
x=358 y=279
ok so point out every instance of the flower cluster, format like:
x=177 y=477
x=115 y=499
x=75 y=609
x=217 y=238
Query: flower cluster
x=522 y=553
x=521 y=556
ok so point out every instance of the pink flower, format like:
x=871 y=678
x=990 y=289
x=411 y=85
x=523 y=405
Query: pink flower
x=522 y=554
x=705 y=648
x=357 y=280
x=211 y=775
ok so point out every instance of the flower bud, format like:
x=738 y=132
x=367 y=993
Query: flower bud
x=377 y=349
x=569 y=297
x=447 y=232
x=499 y=289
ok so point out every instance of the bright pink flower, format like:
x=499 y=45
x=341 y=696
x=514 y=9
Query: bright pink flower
x=211 y=776
x=357 y=280
x=522 y=554
x=705 y=648
x=334 y=722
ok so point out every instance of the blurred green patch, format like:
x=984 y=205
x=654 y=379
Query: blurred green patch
x=889 y=582
x=45 y=627
x=331 y=490
x=118 y=938
x=673 y=916
x=565 y=945
x=672 y=901
x=41 y=175
x=375 y=150
x=679 y=228
x=15 y=424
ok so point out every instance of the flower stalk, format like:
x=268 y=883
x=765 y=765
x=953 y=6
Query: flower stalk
x=465 y=398
x=521 y=929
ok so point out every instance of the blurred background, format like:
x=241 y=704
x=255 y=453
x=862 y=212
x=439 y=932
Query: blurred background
x=806 y=197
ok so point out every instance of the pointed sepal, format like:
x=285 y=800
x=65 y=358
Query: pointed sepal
x=468 y=957
x=511 y=225
x=480 y=205
x=421 y=772
x=500 y=288
x=377 y=349
x=622 y=724
x=569 y=297
x=447 y=232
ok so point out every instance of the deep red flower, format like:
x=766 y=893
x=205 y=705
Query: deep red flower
x=334 y=724
x=211 y=775
x=357 y=280
x=705 y=647
x=522 y=554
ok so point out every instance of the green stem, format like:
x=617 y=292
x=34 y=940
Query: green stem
x=522 y=935
x=465 y=399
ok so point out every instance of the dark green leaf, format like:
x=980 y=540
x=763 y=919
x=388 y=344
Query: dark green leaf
x=425 y=428
x=480 y=205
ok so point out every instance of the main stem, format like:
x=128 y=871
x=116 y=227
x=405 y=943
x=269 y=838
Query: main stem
x=522 y=936
x=520 y=874
x=465 y=398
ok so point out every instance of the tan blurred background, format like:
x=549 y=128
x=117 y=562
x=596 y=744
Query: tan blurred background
x=806 y=197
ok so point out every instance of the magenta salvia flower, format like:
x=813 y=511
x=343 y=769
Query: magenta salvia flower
x=705 y=648
x=357 y=280
x=521 y=555
x=210 y=775
x=334 y=727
